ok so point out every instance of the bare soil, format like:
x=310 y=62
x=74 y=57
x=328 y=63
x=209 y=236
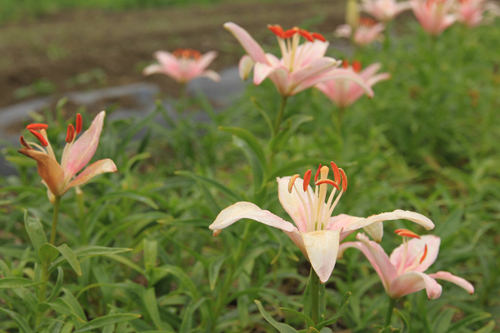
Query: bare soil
x=118 y=45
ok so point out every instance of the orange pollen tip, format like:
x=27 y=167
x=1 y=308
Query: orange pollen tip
x=356 y=66
x=304 y=33
x=307 y=179
x=24 y=143
x=425 y=254
x=317 y=173
x=367 y=21
x=318 y=36
x=344 y=180
x=406 y=233
x=79 y=123
x=70 y=135
x=290 y=32
x=327 y=181
x=37 y=127
x=345 y=64
x=277 y=30
x=291 y=182
x=336 y=172
x=186 y=53
x=40 y=138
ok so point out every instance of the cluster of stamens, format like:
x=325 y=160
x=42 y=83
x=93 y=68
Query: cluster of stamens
x=367 y=21
x=406 y=234
x=356 y=65
x=285 y=34
x=186 y=54
x=316 y=211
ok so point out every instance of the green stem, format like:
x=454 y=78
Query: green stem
x=57 y=202
x=279 y=118
x=390 y=308
x=314 y=296
x=42 y=292
x=81 y=214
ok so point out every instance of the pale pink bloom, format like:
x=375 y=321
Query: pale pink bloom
x=403 y=272
x=316 y=232
x=472 y=12
x=58 y=178
x=384 y=10
x=183 y=65
x=366 y=33
x=301 y=66
x=343 y=93
x=434 y=15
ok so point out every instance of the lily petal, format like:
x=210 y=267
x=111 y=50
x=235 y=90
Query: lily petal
x=261 y=72
x=292 y=202
x=245 y=66
x=151 y=69
x=395 y=215
x=214 y=76
x=91 y=171
x=205 y=60
x=322 y=247
x=247 y=210
x=316 y=67
x=462 y=283
x=249 y=44
x=84 y=148
x=48 y=168
x=375 y=230
x=411 y=282
x=415 y=251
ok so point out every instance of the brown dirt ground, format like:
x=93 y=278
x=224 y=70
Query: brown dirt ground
x=60 y=46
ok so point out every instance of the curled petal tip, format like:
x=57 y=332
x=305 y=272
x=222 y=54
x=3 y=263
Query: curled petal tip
x=216 y=233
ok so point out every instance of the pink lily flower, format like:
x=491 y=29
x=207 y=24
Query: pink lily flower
x=366 y=33
x=403 y=272
x=316 y=232
x=471 y=12
x=183 y=65
x=58 y=178
x=434 y=15
x=343 y=93
x=302 y=65
x=384 y=10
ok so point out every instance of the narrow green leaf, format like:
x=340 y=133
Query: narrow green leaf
x=62 y=307
x=488 y=328
x=250 y=139
x=47 y=253
x=470 y=319
x=90 y=251
x=282 y=328
x=258 y=171
x=68 y=254
x=107 y=320
x=264 y=114
x=14 y=282
x=213 y=271
x=21 y=323
x=150 y=253
x=35 y=231
x=187 y=320
x=182 y=277
x=149 y=299
x=233 y=195
x=343 y=307
x=308 y=320
x=126 y=262
x=73 y=303
x=57 y=287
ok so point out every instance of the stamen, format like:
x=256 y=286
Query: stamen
x=304 y=33
x=70 y=135
x=336 y=173
x=317 y=173
x=277 y=30
x=24 y=143
x=291 y=182
x=425 y=254
x=307 y=179
x=79 y=123
x=367 y=21
x=344 y=180
x=356 y=66
x=40 y=138
x=318 y=36
x=291 y=32
x=327 y=181
x=345 y=63
x=406 y=233
x=37 y=127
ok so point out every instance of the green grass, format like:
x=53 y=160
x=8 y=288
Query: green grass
x=427 y=142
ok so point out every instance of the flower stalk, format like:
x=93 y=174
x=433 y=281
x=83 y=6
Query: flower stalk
x=279 y=117
x=315 y=302
x=390 y=308
x=57 y=202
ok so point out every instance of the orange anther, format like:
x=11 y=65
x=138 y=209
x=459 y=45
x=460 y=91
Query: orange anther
x=291 y=32
x=406 y=233
x=79 y=123
x=327 y=181
x=367 y=21
x=425 y=254
x=356 y=66
x=70 y=135
x=277 y=30
x=317 y=173
x=318 y=36
x=24 y=143
x=291 y=182
x=345 y=63
x=304 y=33
x=344 y=180
x=307 y=179
x=37 y=127
x=336 y=172
x=40 y=138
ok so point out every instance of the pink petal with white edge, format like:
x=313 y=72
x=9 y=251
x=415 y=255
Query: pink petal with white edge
x=261 y=72
x=249 y=44
x=245 y=66
x=170 y=65
x=205 y=60
x=292 y=202
x=462 y=283
x=322 y=248
x=412 y=282
x=314 y=68
x=416 y=248
x=214 y=76
x=84 y=148
x=395 y=215
x=95 y=169
x=247 y=210
x=152 y=69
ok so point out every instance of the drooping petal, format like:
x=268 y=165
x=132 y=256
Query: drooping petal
x=415 y=252
x=412 y=282
x=261 y=72
x=205 y=60
x=375 y=230
x=314 y=68
x=462 y=283
x=48 y=168
x=151 y=69
x=370 y=70
x=293 y=202
x=84 y=148
x=214 y=76
x=335 y=74
x=249 y=44
x=322 y=248
x=169 y=64
x=296 y=237
x=247 y=210
x=91 y=171
x=245 y=66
